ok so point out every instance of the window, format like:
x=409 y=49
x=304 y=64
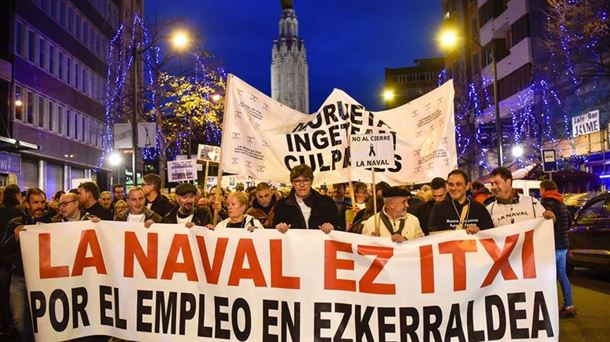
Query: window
x=78 y=26
x=85 y=87
x=62 y=13
x=85 y=38
x=54 y=9
x=31 y=46
x=596 y=211
x=51 y=116
x=69 y=128
x=19 y=103
x=60 y=65
x=81 y=129
x=70 y=20
x=77 y=126
x=30 y=109
x=92 y=38
x=520 y=30
x=51 y=66
x=61 y=120
x=77 y=75
x=42 y=118
x=92 y=132
x=41 y=52
x=69 y=70
x=19 y=39
x=86 y=130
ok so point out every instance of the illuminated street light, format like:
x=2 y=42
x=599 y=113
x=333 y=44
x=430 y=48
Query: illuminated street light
x=18 y=103
x=388 y=95
x=215 y=97
x=180 y=40
x=517 y=151
x=448 y=38
x=115 y=159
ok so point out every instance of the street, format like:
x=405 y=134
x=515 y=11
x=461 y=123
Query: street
x=591 y=291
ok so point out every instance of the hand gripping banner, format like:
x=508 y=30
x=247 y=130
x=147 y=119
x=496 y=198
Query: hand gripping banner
x=169 y=283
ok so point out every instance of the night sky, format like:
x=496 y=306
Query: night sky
x=348 y=42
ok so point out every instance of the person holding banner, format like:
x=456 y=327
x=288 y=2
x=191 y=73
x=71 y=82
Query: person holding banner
x=69 y=210
x=237 y=203
x=395 y=221
x=511 y=206
x=187 y=212
x=137 y=210
x=458 y=212
x=154 y=200
x=34 y=213
x=263 y=204
x=305 y=208
x=88 y=196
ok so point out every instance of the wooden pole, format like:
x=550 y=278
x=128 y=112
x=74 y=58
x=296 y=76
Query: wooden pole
x=375 y=218
x=205 y=177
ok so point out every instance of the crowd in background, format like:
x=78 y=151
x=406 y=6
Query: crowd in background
x=399 y=213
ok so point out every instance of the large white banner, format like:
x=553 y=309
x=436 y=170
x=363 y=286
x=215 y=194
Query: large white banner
x=169 y=283
x=264 y=139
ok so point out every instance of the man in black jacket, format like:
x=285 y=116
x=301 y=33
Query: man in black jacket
x=187 y=212
x=154 y=200
x=552 y=200
x=457 y=211
x=34 y=213
x=305 y=208
x=9 y=209
x=88 y=196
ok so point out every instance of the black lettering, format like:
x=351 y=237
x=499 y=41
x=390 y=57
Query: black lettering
x=187 y=310
x=59 y=295
x=356 y=115
x=119 y=322
x=335 y=135
x=319 y=323
x=362 y=323
x=432 y=327
x=142 y=310
x=317 y=121
x=288 y=161
x=320 y=140
x=346 y=310
x=514 y=315
x=289 y=142
x=336 y=157
x=79 y=303
x=321 y=163
x=329 y=113
x=384 y=328
x=408 y=331
x=302 y=142
x=37 y=310
x=269 y=320
x=291 y=324
x=545 y=322
x=473 y=335
x=219 y=332
x=454 y=326
x=241 y=304
x=105 y=305
x=165 y=313
x=491 y=302
x=202 y=330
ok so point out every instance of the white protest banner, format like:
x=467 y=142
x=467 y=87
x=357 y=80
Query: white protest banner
x=170 y=283
x=372 y=150
x=264 y=139
x=182 y=170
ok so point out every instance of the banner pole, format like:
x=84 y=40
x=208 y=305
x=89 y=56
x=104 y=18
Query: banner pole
x=219 y=178
x=205 y=177
x=349 y=177
x=375 y=218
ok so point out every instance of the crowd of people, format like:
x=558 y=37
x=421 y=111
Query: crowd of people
x=446 y=203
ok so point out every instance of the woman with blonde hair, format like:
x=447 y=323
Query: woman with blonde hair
x=237 y=204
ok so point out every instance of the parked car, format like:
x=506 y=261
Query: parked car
x=589 y=235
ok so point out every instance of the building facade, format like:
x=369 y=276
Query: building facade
x=289 y=73
x=409 y=83
x=54 y=116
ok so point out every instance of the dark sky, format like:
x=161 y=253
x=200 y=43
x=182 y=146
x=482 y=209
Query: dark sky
x=348 y=42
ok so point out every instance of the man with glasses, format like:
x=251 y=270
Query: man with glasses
x=154 y=200
x=305 y=208
x=69 y=209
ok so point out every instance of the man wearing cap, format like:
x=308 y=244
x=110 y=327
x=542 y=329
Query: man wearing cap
x=394 y=221
x=187 y=212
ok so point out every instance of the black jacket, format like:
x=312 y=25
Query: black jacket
x=161 y=205
x=11 y=246
x=562 y=223
x=323 y=209
x=423 y=215
x=99 y=211
x=446 y=216
x=201 y=216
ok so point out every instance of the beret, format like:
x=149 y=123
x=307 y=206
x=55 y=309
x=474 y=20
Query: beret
x=395 y=191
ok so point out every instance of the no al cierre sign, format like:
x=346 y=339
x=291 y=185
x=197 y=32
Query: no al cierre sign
x=168 y=282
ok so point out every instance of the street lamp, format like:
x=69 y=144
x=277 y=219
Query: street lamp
x=180 y=40
x=448 y=39
x=517 y=151
x=115 y=159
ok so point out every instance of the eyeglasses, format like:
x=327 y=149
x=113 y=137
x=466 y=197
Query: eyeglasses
x=63 y=204
x=301 y=181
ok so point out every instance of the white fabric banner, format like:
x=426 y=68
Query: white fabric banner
x=264 y=139
x=169 y=283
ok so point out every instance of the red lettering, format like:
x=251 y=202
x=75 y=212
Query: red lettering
x=147 y=261
x=426 y=265
x=332 y=264
x=88 y=240
x=180 y=244
x=458 y=250
x=382 y=255
x=245 y=249
x=278 y=279
x=501 y=261
x=44 y=259
x=528 y=258
x=212 y=272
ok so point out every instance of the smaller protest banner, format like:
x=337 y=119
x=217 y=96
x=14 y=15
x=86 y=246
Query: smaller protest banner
x=182 y=170
x=372 y=150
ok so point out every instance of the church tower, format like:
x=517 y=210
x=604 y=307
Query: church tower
x=289 y=77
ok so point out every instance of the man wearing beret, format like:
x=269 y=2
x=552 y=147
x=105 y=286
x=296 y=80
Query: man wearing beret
x=187 y=212
x=394 y=221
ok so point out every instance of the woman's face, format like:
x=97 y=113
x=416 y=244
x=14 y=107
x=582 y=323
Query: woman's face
x=120 y=207
x=361 y=195
x=234 y=208
x=106 y=200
